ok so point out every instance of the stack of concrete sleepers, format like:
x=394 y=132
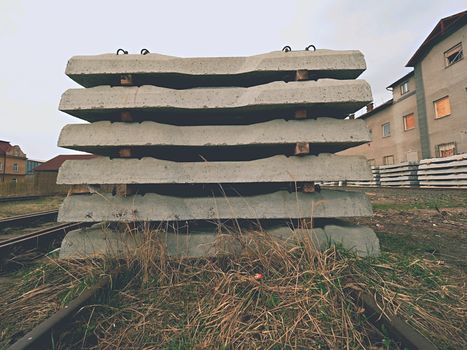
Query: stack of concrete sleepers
x=193 y=140
x=399 y=175
x=443 y=172
x=374 y=182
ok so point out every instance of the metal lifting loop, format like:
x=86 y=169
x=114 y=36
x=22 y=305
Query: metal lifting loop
x=122 y=51
x=144 y=51
x=287 y=48
x=309 y=46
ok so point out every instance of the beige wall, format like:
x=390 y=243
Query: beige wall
x=21 y=166
x=400 y=142
x=397 y=89
x=440 y=81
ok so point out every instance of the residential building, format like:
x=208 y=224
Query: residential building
x=427 y=115
x=31 y=165
x=46 y=173
x=12 y=162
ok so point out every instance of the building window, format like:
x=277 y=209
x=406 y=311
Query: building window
x=442 y=107
x=446 y=150
x=386 y=129
x=388 y=160
x=404 y=87
x=14 y=180
x=1 y=166
x=409 y=121
x=453 y=55
x=15 y=167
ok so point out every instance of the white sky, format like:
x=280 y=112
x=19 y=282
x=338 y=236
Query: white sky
x=38 y=37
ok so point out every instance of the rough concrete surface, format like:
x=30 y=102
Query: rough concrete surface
x=343 y=96
x=99 y=240
x=155 y=207
x=100 y=69
x=461 y=170
x=315 y=131
x=439 y=165
x=155 y=171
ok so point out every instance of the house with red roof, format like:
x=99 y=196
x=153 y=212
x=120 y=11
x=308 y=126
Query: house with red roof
x=46 y=173
x=12 y=162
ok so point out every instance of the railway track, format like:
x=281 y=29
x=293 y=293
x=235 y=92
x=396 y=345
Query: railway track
x=43 y=335
x=41 y=239
x=21 y=220
x=22 y=198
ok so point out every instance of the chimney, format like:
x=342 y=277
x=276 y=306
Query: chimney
x=369 y=107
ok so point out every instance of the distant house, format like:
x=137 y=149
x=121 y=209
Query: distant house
x=12 y=162
x=31 y=165
x=427 y=114
x=46 y=173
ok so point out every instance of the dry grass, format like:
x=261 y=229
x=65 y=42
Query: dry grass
x=29 y=299
x=14 y=208
x=301 y=302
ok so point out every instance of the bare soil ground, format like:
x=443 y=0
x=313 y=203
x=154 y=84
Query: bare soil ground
x=420 y=221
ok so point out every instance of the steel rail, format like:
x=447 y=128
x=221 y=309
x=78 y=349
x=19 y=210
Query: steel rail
x=42 y=336
x=23 y=198
x=22 y=219
x=38 y=239
x=398 y=329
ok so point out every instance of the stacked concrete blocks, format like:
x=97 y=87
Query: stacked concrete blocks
x=443 y=172
x=374 y=182
x=218 y=139
x=399 y=175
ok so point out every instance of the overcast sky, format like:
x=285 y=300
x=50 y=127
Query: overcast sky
x=38 y=37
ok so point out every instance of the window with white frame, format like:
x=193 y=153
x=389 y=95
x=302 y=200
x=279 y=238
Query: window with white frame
x=1 y=166
x=445 y=150
x=453 y=55
x=386 y=129
x=405 y=87
x=15 y=167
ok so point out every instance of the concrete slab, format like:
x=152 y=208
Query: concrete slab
x=401 y=183
x=391 y=171
x=154 y=207
x=324 y=98
x=443 y=177
x=454 y=183
x=171 y=71
x=441 y=165
x=101 y=137
x=100 y=240
x=457 y=157
x=441 y=171
x=383 y=168
x=399 y=178
x=155 y=171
